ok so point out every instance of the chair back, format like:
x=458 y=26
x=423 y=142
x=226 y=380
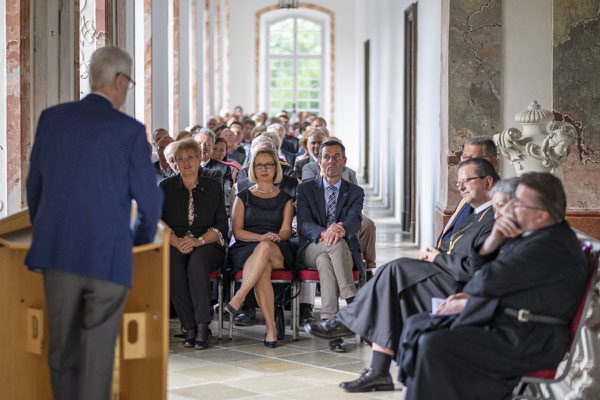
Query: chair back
x=578 y=320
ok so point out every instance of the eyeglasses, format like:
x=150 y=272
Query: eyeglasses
x=181 y=160
x=336 y=157
x=518 y=204
x=131 y=84
x=261 y=167
x=460 y=183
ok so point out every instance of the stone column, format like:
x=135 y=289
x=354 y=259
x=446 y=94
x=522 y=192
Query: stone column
x=470 y=93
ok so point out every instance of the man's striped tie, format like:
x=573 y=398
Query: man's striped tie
x=331 y=202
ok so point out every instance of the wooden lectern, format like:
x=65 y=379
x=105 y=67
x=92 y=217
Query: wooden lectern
x=142 y=352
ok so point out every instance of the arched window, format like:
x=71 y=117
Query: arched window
x=295 y=65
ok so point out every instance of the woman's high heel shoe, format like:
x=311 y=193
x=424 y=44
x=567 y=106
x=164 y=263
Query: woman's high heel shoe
x=270 y=345
x=229 y=308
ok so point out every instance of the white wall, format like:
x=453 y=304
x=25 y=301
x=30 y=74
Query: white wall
x=242 y=76
x=527 y=60
x=384 y=27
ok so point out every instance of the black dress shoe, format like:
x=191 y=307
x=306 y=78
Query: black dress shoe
x=369 y=381
x=201 y=344
x=328 y=329
x=270 y=345
x=306 y=314
x=337 y=345
x=232 y=310
x=190 y=338
x=246 y=318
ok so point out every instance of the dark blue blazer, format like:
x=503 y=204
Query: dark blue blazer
x=87 y=163
x=312 y=218
x=459 y=221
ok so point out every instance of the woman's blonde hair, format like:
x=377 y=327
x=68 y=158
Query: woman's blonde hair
x=186 y=144
x=278 y=171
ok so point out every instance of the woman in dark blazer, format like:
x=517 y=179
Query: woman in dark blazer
x=194 y=209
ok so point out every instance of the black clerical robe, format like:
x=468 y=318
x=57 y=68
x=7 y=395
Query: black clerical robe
x=481 y=353
x=405 y=286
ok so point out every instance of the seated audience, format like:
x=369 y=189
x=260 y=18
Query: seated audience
x=312 y=141
x=476 y=147
x=406 y=286
x=220 y=154
x=156 y=136
x=288 y=156
x=183 y=135
x=329 y=216
x=262 y=226
x=367 y=234
x=161 y=167
x=479 y=343
x=194 y=209
x=206 y=140
x=234 y=152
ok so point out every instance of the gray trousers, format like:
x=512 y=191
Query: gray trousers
x=84 y=316
x=335 y=265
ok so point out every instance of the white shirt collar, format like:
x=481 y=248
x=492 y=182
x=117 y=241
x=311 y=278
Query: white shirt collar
x=482 y=207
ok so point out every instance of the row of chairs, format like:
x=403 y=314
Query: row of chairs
x=277 y=276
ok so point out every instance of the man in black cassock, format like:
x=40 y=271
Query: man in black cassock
x=477 y=347
x=406 y=286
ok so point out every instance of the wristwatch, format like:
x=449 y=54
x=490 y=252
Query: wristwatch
x=201 y=239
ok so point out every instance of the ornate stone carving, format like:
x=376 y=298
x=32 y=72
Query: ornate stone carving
x=542 y=146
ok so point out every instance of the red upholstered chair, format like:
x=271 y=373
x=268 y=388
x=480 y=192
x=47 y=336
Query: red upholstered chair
x=311 y=276
x=277 y=276
x=530 y=385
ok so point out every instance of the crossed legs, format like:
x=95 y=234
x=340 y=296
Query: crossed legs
x=257 y=274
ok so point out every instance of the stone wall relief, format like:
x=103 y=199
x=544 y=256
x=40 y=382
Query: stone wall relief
x=543 y=144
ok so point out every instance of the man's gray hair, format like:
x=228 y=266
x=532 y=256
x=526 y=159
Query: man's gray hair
x=106 y=63
x=506 y=186
x=206 y=132
x=486 y=143
x=275 y=127
x=274 y=137
x=261 y=139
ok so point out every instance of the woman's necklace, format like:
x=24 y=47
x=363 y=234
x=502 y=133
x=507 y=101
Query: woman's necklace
x=264 y=191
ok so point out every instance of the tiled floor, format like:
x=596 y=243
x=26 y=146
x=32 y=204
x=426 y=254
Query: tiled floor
x=244 y=368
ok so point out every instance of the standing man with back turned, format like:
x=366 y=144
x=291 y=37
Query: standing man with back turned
x=80 y=203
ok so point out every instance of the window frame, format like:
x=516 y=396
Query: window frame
x=295 y=57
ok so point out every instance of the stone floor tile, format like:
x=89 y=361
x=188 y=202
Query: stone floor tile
x=269 y=384
x=212 y=391
x=223 y=355
x=270 y=365
x=181 y=361
x=216 y=372
x=176 y=380
x=321 y=358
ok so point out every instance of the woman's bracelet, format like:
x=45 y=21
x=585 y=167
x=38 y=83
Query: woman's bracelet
x=221 y=241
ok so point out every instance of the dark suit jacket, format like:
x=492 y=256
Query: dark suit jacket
x=455 y=259
x=298 y=165
x=290 y=157
x=458 y=222
x=312 y=218
x=227 y=179
x=209 y=207
x=290 y=144
x=87 y=163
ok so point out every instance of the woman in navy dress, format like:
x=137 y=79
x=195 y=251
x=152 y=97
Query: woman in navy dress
x=262 y=226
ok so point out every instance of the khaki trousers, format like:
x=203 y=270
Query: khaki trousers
x=334 y=264
x=366 y=237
